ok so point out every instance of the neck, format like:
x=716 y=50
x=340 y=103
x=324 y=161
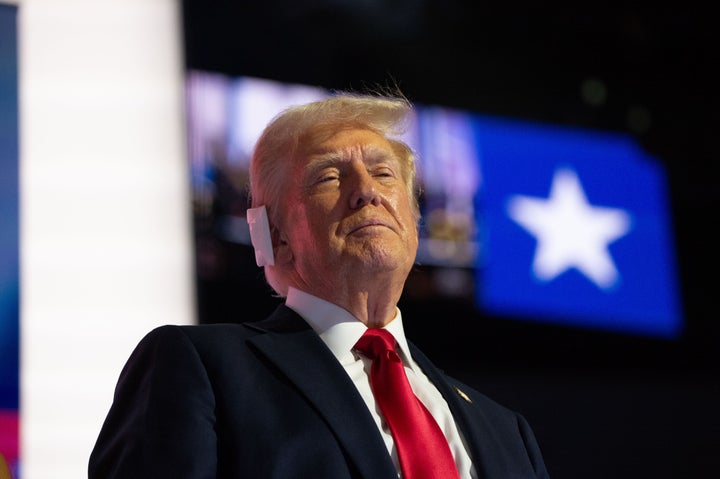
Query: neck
x=370 y=309
x=374 y=306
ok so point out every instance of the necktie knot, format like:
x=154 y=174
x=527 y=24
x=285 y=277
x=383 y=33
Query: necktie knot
x=376 y=343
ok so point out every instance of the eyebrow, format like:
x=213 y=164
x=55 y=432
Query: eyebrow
x=372 y=154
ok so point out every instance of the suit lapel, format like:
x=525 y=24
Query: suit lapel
x=296 y=350
x=460 y=407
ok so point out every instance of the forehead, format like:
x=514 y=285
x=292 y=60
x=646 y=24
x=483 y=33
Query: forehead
x=347 y=144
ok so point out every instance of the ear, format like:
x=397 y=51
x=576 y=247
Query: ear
x=260 y=236
x=283 y=253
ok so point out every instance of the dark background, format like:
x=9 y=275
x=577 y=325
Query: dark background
x=603 y=405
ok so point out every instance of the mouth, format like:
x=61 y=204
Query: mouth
x=368 y=225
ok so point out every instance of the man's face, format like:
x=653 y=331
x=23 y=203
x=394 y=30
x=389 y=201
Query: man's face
x=348 y=211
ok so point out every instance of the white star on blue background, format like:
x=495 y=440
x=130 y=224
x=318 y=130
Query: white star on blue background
x=570 y=232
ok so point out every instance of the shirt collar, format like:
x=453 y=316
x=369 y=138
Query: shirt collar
x=339 y=329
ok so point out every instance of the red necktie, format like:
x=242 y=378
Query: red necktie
x=423 y=451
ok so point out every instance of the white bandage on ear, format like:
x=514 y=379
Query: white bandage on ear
x=260 y=236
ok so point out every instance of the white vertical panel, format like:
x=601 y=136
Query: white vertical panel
x=104 y=211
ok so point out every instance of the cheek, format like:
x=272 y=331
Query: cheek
x=404 y=213
x=310 y=225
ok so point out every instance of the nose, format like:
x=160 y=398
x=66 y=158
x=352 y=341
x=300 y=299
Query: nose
x=364 y=190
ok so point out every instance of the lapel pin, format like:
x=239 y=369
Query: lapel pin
x=463 y=395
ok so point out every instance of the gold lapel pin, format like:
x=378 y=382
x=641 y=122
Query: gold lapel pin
x=463 y=395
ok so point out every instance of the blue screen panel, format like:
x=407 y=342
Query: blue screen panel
x=575 y=229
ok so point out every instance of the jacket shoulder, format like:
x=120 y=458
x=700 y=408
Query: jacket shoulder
x=281 y=320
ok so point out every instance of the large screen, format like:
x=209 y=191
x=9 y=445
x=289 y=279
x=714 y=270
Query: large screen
x=530 y=220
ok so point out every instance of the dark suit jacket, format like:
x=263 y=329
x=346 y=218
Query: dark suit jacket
x=269 y=400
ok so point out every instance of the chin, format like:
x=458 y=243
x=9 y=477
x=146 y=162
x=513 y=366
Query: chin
x=384 y=259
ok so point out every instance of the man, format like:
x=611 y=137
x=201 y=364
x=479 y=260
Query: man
x=313 y=391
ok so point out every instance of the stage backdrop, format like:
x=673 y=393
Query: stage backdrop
x=9 y=263
x=105 y=250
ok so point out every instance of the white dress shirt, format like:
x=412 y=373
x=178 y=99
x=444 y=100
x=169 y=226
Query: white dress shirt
x=340 y=330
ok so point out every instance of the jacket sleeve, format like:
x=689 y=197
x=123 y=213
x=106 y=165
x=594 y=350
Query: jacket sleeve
x=161 y=422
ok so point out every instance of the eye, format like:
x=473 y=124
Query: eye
x=383 y=172
x=327 y=176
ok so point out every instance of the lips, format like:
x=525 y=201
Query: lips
x=368 y=223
